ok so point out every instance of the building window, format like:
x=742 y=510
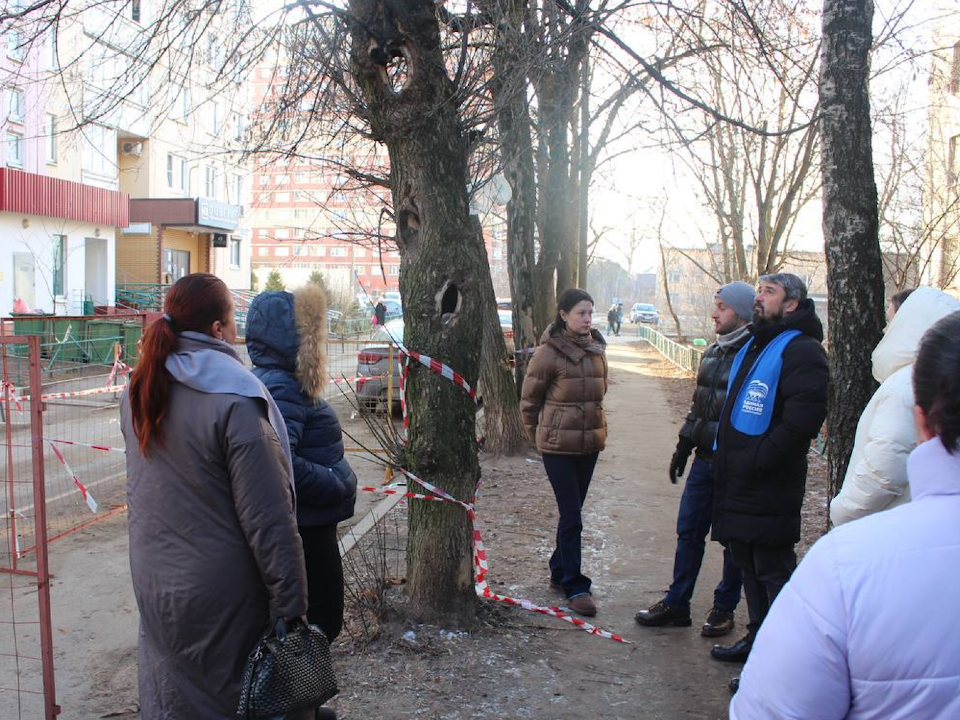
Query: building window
x=182 y=109
x=952 y=161
x=210 y=181
x=394 y=269
x=236 y=125
x=59 y=253
x=264 y=179
x=51 y=138
x=237 y=189
x=52 y=60
x=282 y=251
x=234 y=252
x=339 y=252
x=100 y=151
x=16 y=105
x=359 y=252
x=15 y=49
x=217 y=118
x=673 y=277
x=955 y=70
x=263 y=251
x=176 y=173
x=135 y=10
x=213 y=50
x=299 y=214
x=14 y=149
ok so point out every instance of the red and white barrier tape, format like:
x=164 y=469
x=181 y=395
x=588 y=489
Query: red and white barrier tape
x=87 y=497
x=105 y=448
x=119 y=366
x=480 y=563
x=10 y=391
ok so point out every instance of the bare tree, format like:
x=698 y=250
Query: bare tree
x=850 y=219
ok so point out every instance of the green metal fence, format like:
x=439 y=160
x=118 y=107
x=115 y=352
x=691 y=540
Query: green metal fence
x=683 y=356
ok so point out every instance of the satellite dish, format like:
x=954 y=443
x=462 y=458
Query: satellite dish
x=496 y=191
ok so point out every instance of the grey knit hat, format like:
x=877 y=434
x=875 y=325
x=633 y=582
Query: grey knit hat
x=740 y=296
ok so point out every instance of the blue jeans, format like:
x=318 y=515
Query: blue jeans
x=693 y=524
x=570 y=477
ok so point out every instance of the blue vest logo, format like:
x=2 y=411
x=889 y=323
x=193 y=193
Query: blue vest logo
x=754 y=396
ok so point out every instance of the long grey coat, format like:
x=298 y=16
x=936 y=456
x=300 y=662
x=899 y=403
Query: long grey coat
x=214 y=550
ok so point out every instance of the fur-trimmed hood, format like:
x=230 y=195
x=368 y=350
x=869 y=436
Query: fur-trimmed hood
x=288 y=331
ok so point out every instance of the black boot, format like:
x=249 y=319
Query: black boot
x=662 y=614
x=738 y=652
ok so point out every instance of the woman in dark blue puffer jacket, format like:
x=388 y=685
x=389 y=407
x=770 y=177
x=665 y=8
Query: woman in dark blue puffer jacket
x=286 y=339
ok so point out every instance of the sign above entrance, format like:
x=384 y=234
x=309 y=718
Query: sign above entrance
x=211 y=213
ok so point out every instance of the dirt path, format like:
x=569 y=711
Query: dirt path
x=515 y=664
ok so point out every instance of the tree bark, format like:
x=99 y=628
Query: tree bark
x=509 y=90
x=501 y=426
x=854 y=269
x=443 y=276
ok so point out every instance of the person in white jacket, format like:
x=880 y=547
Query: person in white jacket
x=867 y=625
x=876 y=476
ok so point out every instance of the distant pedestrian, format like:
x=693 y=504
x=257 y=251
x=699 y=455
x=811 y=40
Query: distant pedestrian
x=619 y=318
x=775 y=405
x=286 y=341
x=733 y=310
x=876 y=476
x=866 y=627
x=214 y=549
x=612 y=319
x=380 y=312
x=562 y=408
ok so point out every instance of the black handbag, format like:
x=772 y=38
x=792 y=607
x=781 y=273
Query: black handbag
x=289 y=670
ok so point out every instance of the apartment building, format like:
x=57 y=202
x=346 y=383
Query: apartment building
x=116 y=169
x=942 y=201
x=309 y=215
x=59 y=218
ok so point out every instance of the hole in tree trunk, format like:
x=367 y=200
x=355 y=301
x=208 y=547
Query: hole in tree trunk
x=395 y=66
x=408 y=226
x=448 y=303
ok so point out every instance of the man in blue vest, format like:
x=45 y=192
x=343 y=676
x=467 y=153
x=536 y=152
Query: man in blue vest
x=776 y=403
x=731 y=316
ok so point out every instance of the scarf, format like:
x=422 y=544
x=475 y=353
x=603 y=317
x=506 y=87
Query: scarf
x=732 y=338
x=585 y=341
x=752 y=410
x=208 y=365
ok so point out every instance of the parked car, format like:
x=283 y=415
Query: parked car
x=644 y=313
x=373 y=359
x=506 y=327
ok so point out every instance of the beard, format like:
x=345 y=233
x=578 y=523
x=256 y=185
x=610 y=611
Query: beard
x=769 y=319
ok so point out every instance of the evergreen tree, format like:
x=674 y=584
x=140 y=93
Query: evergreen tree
x=274 y=281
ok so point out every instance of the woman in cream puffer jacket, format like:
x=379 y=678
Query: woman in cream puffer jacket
x=876 y=476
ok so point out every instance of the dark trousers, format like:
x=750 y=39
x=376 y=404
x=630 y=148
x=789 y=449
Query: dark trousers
x=693 y=524
x=570 y=477
x=765 y=572
x=321 y=553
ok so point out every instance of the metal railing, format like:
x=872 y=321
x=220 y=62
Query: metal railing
x=684 y=357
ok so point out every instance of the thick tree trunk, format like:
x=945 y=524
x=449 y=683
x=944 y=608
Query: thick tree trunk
x=509 y=89
x=443 y=278
x=854 y=269
x=501 y=426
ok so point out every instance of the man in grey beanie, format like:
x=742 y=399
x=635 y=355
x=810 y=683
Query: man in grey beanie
x=733 y=309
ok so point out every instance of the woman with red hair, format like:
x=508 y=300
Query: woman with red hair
x=214 y=549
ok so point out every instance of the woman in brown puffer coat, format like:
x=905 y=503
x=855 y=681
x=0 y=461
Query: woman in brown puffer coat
x=562 y=407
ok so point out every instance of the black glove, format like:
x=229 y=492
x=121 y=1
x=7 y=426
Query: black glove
x=678 y=463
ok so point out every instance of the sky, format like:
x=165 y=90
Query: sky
x=635 y=185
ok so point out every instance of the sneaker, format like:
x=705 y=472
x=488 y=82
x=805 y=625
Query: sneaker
x=583 y=605
x=662 y=614
x=719 y=623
